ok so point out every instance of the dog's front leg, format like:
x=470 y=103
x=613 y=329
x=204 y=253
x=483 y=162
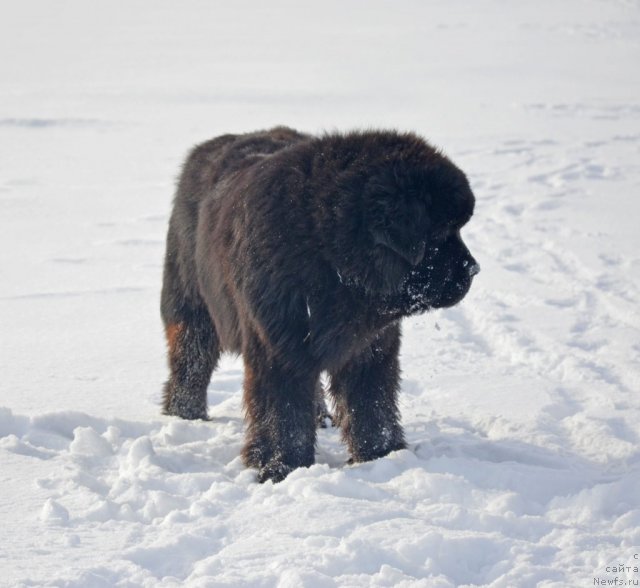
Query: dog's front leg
x=279 y=402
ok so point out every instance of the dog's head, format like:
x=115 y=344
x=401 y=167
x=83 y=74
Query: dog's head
x=412 y=255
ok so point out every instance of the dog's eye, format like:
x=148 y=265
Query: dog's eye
x=440 y=235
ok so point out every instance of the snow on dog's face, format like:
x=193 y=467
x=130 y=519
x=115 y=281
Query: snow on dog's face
x=414 y=214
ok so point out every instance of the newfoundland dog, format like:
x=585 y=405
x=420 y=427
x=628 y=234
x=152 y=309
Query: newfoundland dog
x=303 y=254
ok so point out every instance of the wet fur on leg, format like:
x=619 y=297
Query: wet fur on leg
x=365 y=392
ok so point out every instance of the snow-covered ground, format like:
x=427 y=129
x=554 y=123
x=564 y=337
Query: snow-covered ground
x=521 y=405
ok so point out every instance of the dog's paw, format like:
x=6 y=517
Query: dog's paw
x=274 y=470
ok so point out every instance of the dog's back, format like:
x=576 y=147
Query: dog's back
x=212 y=161
x=205 y=167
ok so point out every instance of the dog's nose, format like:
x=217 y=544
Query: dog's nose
x=474 y=269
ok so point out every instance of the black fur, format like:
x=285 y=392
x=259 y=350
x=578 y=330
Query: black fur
x=303 y=253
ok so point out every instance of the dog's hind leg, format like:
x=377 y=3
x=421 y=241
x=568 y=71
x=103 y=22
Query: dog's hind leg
x=192 y=341
x=322 y=410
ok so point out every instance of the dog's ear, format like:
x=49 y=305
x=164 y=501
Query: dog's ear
x=411 y=250
x=398 y=216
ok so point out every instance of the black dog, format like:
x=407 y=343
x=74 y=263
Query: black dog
x=303 y=253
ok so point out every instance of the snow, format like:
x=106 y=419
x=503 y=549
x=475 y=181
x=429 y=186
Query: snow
x=520 y=405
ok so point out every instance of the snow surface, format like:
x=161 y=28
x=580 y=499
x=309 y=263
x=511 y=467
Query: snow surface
x=521 y=405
